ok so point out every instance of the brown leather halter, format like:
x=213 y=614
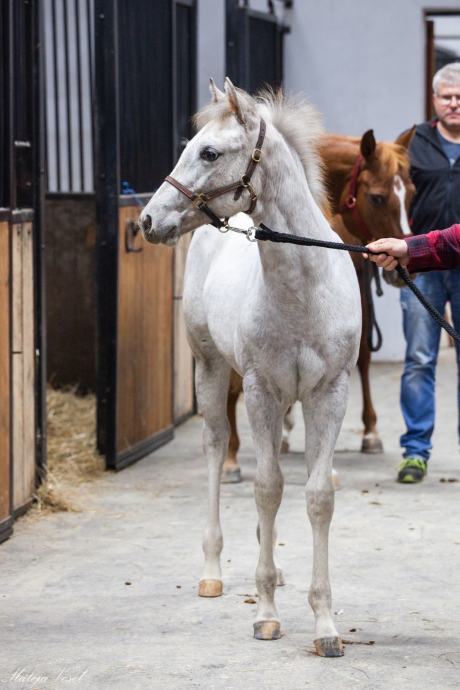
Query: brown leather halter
x=349 y=205
x=201 y=199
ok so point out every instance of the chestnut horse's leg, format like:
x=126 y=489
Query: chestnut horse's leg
x=371 y=441
x=231 y=471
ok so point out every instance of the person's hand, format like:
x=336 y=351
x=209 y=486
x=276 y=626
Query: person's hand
x=393 y=252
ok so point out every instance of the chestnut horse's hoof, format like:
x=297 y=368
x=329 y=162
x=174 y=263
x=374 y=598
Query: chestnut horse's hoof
x=231 y=476
x=210 y=588
x=267 y=630
x=329 y=646
x=371 y=444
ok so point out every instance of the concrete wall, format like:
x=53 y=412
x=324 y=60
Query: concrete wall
x=363 y=65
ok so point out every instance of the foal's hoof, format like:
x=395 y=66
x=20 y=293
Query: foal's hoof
x=210 y=588
x=232 y=476
x=329 y=646
x=279 y=578
x=371 y=444
x=284 y=446
x=267 y=630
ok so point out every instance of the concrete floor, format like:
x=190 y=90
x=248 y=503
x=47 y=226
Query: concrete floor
x=106 y=599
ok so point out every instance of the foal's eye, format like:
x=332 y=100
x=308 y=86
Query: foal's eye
x=209 y=154
x=377 y=199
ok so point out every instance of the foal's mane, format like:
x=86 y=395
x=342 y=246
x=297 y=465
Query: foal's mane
x=297 y=121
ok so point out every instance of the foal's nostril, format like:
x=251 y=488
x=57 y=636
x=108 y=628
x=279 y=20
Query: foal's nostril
x=147 y=223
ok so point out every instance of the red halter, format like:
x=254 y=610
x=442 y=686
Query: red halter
x=349 y=205
x=201 y=199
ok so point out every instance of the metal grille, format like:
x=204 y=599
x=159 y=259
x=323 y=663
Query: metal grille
x=69 y=42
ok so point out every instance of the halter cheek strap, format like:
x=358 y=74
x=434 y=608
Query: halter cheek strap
x=349 y=205
x=201 y=199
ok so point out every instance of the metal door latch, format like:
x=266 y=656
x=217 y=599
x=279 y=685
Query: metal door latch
x=131 y=232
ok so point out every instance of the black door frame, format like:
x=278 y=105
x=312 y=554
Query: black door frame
x=238 y=41
x=108 y=201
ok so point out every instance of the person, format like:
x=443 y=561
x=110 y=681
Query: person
x=437 y=250
x=435 y=170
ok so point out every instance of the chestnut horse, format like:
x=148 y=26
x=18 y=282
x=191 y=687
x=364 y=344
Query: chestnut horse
x=370 y=192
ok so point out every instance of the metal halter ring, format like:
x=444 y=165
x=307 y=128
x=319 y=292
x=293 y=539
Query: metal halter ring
x=350 y=201
x=256 y=155
x=251 y=234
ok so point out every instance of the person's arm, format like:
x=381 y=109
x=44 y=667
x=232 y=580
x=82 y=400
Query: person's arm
x=437 y=250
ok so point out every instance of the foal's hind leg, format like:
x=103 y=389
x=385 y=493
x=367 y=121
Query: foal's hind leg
x=266 y=418
x=212 y=377
x=323 y=414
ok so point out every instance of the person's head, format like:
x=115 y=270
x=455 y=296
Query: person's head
x=446 y=96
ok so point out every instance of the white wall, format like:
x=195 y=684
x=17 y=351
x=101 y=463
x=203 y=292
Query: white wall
x=211 y=46
x=362 y=64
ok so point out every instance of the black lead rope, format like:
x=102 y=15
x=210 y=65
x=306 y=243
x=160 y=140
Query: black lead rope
x=263 y=233
x=371 y=272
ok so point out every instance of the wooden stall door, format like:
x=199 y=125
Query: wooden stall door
x=5 y=418
x=23 y=365
x=144 y=343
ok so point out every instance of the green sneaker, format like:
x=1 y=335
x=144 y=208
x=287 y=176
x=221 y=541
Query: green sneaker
x=412 y=470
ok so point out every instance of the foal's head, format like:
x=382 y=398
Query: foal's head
x=385 y=190
x=218 y=155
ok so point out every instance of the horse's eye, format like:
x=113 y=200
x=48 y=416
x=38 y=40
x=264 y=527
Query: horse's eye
x=377 y=199
x=209 y=154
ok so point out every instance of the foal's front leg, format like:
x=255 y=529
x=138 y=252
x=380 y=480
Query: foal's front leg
x=266 y=418
x=211 y=376
x=323 y=415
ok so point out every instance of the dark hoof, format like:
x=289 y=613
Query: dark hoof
x=231 y=476
x=279 y=578
x=329 y=646
x=267 y=630
x=284 y=446
x=210 y=588
x=371 y=444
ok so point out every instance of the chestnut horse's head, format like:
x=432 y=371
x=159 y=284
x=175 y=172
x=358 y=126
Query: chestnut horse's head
x=384 y=190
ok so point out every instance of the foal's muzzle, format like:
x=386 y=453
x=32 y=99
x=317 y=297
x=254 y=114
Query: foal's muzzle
x=146 y=223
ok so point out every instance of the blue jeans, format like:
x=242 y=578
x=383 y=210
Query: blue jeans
x=422 y=335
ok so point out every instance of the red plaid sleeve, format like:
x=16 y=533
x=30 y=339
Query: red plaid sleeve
x=439 y=249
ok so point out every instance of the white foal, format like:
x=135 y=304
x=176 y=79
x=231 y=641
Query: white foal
x=286 y=318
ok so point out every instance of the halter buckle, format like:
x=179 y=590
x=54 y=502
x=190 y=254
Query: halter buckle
x=256 y=155
x=199 y=200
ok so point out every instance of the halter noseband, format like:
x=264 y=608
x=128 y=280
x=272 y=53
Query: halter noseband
x=200 y=199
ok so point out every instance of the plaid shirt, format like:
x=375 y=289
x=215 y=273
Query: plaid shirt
x=437 y=250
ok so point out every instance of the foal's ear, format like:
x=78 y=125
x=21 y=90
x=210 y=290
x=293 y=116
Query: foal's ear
x=405 y=138
x=368 y=144
x=234 y=102
x=216 y=94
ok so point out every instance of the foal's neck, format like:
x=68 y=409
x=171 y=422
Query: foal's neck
x=288 y=206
